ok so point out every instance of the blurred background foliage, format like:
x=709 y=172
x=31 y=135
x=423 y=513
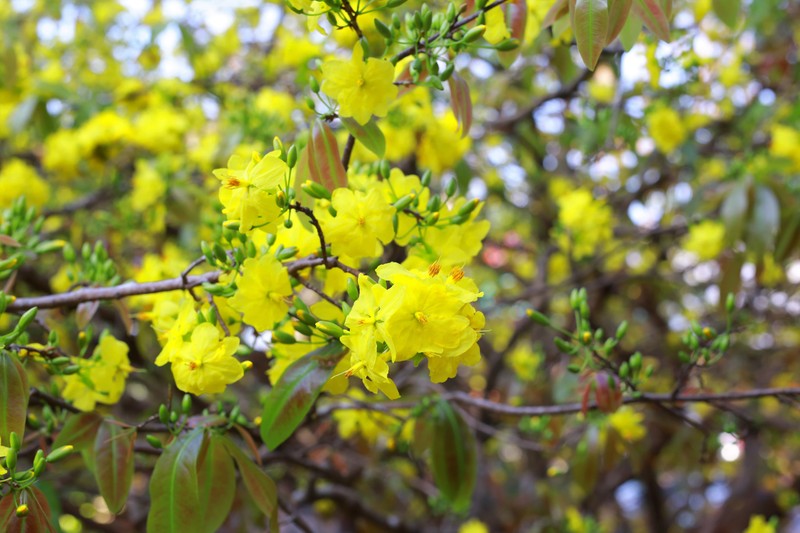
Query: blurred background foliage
x=661 y=182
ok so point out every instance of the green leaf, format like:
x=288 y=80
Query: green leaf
x=728 y=11
x=323 y=159
x=14 y=395
x=762 y=228
x=453 y=455
x=79 y=430
x=22 y=114
x=113 y=461
x=461 y=102
x=258 y=484
x=289 y=401
x=369 y=134
x=618 y=15
x=216 y=483
x=734 y=210
x=174 y=498
x=39 y=519
x=630 y=33
x=590 y=25
x=653 y=16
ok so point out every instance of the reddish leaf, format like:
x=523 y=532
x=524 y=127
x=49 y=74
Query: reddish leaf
x=559 y=9
x=651 y=14
x=453 y=455
x=174 y=498
x=216 y=483
x=79 y=431
x=461 y=102
x=618 y=12
x=14 y=394
x=290 y=400
x=85 y=312
x=590 y=25
x=39 y=519
x=259 y=485
x=5 y=240
x=323 y=158
x=113 y=460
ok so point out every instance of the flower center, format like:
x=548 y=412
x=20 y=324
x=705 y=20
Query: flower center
x=421 y=318
x=192 y=365
x=360 y=82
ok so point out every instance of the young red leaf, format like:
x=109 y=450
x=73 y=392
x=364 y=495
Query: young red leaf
x=13 y=396
x=113 y=459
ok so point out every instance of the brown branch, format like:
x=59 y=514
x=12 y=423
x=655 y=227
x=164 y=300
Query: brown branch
x=348 y=151
x=572 y=408
x=317 y=226
x=91 y=294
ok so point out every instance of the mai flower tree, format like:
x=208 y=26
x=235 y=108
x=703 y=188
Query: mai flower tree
x=397 y=266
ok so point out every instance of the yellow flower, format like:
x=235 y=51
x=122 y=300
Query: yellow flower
x=706 y=239
x=206 y=365
x=248 y=189
x=666 y=128
x=101 y=378
x=148 y=186
x=474 y=525
x=363 y=223
x=786 y=144
x=362 y=89
x=3 y=453
x=496 y=29
x=262 y=292
x=628 y=423
x=160 y=129
x=587 y=223
x=18 y=178
x=758 y=524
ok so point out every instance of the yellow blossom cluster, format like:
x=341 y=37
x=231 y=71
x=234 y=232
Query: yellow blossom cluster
x=101 y=377
x=423 y=312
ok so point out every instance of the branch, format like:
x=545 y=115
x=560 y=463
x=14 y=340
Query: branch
x=91 y=294
x=569 y=408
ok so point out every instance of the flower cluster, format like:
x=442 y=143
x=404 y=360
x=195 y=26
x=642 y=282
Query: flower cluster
x=101 y=377
x=423 y=312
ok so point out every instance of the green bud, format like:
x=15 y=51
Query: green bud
x=507 y=45
x=173 y=417
x=14 y=441
x=352 y=288
x=313 y=83
x=220 y=254
x=435 y=82
x=163 y=414
x=452 y=187
x=59 y=361
x=584 y=309
x=425 y=179
x=649 y=370
x=538 y=317
x=404 y=201
x=474 y=34
x=69 y=253
x=281 y=337
x=207 y=253
x=447 y=72
x=330 y=328
x=383 y=29
x=39 y=463
x=395 y=3
x=684 y=357
x=574 y=369
x=310 y=103
x=303 y=329
x=11 y=459
x=622 y=330
x=291 y=156
x=563 y=345
x=70 y=369
x=730 y=302
x=469 y=207
x=59 y=453
x=288 y=223
x=636 y=362
x=287 y=253
x=306 y=317
x=316 y=190
x=624 y=370
x=153 y=441
x=26 y=319
x=186 y=404
x=385 y=169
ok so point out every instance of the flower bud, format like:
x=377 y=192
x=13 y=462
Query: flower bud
x=59 y=453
